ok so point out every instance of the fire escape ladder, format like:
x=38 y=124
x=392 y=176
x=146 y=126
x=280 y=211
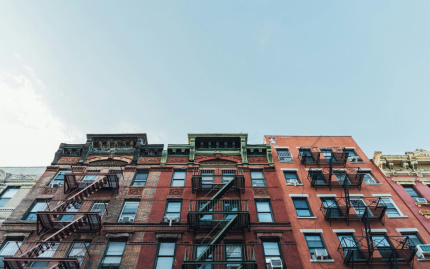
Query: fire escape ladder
x=220 y=193
x=347 y=199
x=369 y=240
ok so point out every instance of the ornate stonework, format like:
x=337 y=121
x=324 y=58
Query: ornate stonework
x=135 y=191
x=257 y=159
x=177 y=160
x=176 y=191
x=404 y=180
x=415 y=163
x=425 y=213
x=151 y=160
x=69 y=160
x=111 y=159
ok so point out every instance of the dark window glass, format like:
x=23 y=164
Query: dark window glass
x=140 y=178
x=291 y=177
x=257 y=178
x=302 y=207
x=412 y=192
x=264 y=211
x=113 y=255
x=284 y=155
x=314 y=242
x=7 y=195
x=271 y=252
x=178 y=178
x=37 y=206
x=166 y=255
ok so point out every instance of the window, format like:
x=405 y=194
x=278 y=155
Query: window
x=284 y=155
x=412 y=239
x=78 y=250
x=113 y=256
x=392 y=210
x=228 y=175
x=264 y=212
x=206 y=217
x=349 y=245
x=59 y=178
x=230 y=206
x=165 y=255
x=199 y=251
x=291 y=177
x=233 y=252
x=412 y=192
x=129 y=211
x=207 y=178
x=328 y=155
x=383 y=246
x=331 y=208
x=257 y=178
x=100 y=207
x=341 y=176
x=7 y=195
x=314 y=242
x=369 y=179
x=71 y=208
x=178 y=179
x=360 y=207
x=306 y=155
x=48 y=253
x=140 y=178
x=317 y=177
x=271 y=251
x=37 y=206
x=302 y=207
x=173 y=210
x=8 y=249
x=91 y=177
x=352 y=156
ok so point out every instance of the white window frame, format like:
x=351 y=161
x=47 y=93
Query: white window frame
x=123 y=207
x=388 y=196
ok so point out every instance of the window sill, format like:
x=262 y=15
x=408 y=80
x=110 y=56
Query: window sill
x=328 y=260
x=374 y=184
x=311 y=217
x=298 y=184
x=423 y=260
x=286 y=161
x=398 y=217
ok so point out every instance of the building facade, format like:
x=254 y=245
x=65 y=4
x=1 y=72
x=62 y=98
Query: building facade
x=15 y=183
x=409 y=175
x=342 y=210
x=118 y=202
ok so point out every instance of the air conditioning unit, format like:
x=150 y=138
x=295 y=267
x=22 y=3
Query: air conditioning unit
x=421 y=200
x=170 y=219
x=423 y=251
x=54 y=185
x=354 y=159
x=293 y=182
x=275 y=264
x=321 y=253
x=126 y=219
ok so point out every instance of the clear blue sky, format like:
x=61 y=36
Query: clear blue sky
x=169 y=68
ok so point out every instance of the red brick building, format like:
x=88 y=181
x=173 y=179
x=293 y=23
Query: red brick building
x=118 y=202
x=342 y=210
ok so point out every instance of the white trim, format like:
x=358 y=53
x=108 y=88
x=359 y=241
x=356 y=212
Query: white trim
x=366 y=169
x=315 y=231
x=314 y=168
x=311 y=217
x=406 y=230
x=356 y=195
x=378 y=230
x=330 y=260
x=382 y=195
x=349 y=148
x=326 y=195
x=281 y=147
x=343 y=231
x=290 y=169
x=299 y=195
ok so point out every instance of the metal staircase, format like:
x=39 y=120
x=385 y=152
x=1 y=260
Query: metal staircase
x=50 y=223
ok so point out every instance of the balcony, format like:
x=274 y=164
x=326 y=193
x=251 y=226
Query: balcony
x=221 y=256
x=322 y=157
x=90 y=181
x=213 y=214
x=328 y=177
x=376 y=249
x=216 y=178
x=63 y=224
x=353 y=209
x=52 y=254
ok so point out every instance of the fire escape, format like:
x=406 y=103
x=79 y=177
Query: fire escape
x=60 y=222
x=216 y=217
x=329 y=170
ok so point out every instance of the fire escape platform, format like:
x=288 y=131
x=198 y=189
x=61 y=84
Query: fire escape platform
x=214 y=179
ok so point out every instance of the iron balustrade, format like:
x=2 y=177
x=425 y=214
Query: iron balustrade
x=209 y=179
x=49 y=254
x=321 y=157
x=82 y=222
x=217 y=213
x=347 y=208
x=225 y=256
x=76 y=181
x=331 y=177
x=390 y=250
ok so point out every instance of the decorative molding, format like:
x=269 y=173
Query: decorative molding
x=130 y=169
x=150 y=160
x=68 y=160
x=260 y=191
x=177 y=160
x=229 y=159
x=422 y=204
x=52 y=169
x=49 y=191
x=257 y=159
x=425 y=213
x=404 y=180
x=424 y=180
x=161 y=169
x=135 y=191
x=176 y=191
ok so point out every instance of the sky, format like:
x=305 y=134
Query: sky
x=169 y=68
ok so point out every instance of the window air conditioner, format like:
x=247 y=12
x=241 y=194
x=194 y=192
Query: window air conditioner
x=354 y=159
x=126 y=219
x=54 y=185
x=423 y=251
x=421 y=200
x=293 y=182
x=170 y=219
x=321 y=253
x=275 y=264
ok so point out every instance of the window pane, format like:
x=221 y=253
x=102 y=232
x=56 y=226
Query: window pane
x=271 y=248
x=368 y=179
x=112 y=260
x=164 y=262
x=258 y=183
x=39 y=206
x=179 y=174
x=265 y=217
x=263 y=207
x=130 y=207
x=9 y=192
x=115 y=248
x=256 y=174
x=174 y=207
x=166 y=249
x=178 y=183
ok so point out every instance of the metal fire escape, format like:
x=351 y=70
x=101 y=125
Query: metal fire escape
x=60 y=222
x=370 y=249
x=217 y=217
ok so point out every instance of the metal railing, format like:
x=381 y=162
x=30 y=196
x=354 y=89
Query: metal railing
x=216 y=178
x=315 y=156
x=329 y=177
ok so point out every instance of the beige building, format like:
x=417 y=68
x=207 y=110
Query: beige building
x=15 y=183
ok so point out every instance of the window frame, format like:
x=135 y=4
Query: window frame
x=369 y=173
x=87 y=245
x=291 y=172
x=359 y=160
x=123 y=207
x=172 y=182
x=57 y=181
x=135 y=180
x=100 y=202
x=270 y=207
x=29 y=211
x=7 y=199
x=322 y=242
x=308 y=207
x=418 y=195
x=157 y=254
x=405 y=234
x=288 y=159
x=3 y=245
x=106 y=251
x=263 y=179
x=308 y=158
x=167 y=205
x=272 y=240
x=394 y=206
